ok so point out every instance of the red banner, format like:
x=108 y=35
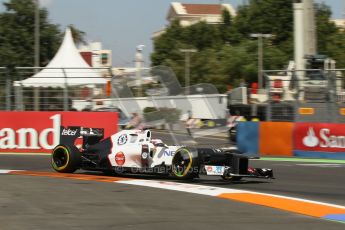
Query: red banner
x=40 y=131
x=321 y=137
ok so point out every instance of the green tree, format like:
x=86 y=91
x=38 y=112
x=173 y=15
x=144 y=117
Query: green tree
x=17 y=34
x=202 y=36
x=78 y=35
x=335 y=49
x=325 y=29
x=226 y=28
x=266 y=16
x=168 y=44
x=226 y=53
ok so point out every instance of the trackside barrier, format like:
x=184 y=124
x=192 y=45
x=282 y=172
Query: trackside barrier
x=321 y=140
x=39 y=132
x=248 y=138
x=312 y=140
x=275 y=138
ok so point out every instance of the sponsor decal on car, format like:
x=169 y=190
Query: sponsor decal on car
x=214 y=170
x=168 y=153
x=120 y=158
x=122 y=139
x=68 y=132
x=209 y=168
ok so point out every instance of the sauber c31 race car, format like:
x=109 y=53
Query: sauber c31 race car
x=133 y=151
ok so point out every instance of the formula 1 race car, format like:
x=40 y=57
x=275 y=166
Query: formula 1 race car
x=133 y=151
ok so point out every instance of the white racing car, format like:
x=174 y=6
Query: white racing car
x=133 y=151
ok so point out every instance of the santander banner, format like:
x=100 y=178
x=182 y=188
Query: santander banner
x=321 y=137
x=39 y=132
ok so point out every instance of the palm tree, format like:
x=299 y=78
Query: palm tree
x=78 y=35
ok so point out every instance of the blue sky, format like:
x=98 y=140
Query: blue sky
x=121 y=25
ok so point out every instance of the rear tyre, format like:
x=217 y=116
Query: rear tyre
x=65 y=159
x=185 y=164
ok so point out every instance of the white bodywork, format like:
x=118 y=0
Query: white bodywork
x=127 y=149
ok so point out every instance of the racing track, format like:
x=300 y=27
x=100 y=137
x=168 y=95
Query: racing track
x=28 y=202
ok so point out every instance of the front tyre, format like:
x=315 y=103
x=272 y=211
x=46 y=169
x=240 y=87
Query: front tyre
x=185 y=164
x=65 y=159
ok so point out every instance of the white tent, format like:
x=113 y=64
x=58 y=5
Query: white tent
x=67 y=68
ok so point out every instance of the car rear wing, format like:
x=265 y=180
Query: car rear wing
x=69 y=135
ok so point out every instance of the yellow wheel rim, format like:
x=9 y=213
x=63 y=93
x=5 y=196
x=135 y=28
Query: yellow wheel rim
x=65 y=153
x=185 y=171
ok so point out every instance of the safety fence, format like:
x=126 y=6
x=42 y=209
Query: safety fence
x=5 y=86
x=50 y=89
x=88 y=89
x=310 y=86
x=311 y=95
x=294 y=96
x=153 y=93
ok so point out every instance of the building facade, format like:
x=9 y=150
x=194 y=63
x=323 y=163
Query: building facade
x=95 y=56
x=189 y=14
x=340 y=23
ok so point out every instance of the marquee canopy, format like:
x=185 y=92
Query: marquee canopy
x=67 y=68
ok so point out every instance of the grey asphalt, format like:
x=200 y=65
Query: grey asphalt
x=49 y=203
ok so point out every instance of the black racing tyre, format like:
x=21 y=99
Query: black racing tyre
x=185 y=163
x=65 y=159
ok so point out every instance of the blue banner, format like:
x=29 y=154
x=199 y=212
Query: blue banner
x=248 y=138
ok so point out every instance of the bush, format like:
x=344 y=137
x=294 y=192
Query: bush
x=171 y=115
x=150 y=109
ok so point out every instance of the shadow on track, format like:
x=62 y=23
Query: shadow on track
x=204 y=180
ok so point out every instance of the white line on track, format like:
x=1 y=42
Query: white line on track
x=5 y=171
x=208 y=190
x=323 y=165
x=296 y=205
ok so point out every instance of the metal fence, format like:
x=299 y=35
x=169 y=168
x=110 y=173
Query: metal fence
x=5 y=90
x=299 y=96
x=308 y=95
x=305 y=96
x=53 y=93
x=27 y=89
